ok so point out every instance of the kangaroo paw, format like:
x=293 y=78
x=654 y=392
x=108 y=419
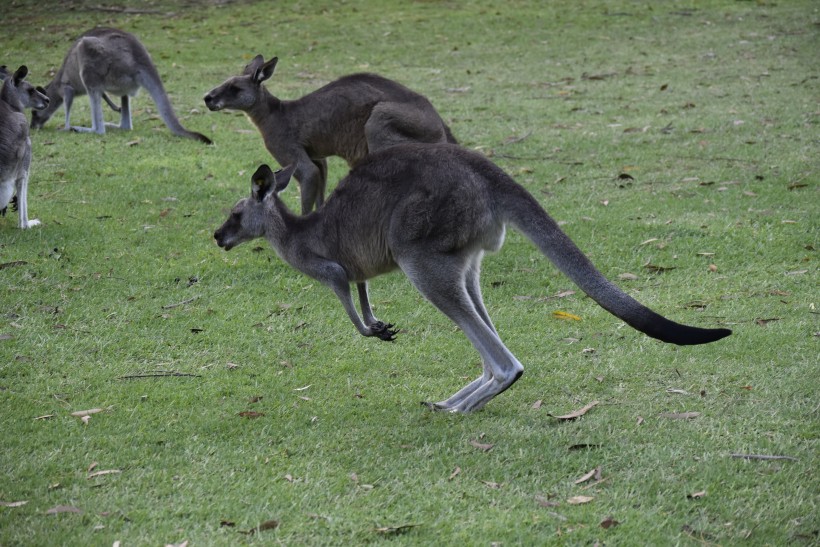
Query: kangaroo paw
x=13 y=204
x=384 y=331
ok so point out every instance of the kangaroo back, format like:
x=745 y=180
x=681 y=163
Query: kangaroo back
x=524 y=213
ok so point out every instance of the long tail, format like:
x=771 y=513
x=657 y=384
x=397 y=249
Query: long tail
x=524 y=212
x=152 y=83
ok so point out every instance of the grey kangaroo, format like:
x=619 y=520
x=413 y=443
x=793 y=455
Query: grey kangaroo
x=348 y=117
x=432 y=211
x=15 y=144
x=108 y=60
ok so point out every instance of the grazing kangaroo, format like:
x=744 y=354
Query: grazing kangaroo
x=15 y=144
x=432 y=211
x=349 y=117
x=108 y=60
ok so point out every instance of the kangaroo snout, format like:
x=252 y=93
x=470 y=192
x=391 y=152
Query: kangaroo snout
x=212 y=104
x=220 y=240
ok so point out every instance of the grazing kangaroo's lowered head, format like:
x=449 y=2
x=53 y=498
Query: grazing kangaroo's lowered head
x=108 y=60
x=431 y=211
x=15 y=144
x=349 y=117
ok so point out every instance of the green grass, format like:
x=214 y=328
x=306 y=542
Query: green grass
x=711 y=108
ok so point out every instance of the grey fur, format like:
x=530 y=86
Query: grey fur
x=109 y=60
x=432 y=211
x=348 y=117
x=15 y=144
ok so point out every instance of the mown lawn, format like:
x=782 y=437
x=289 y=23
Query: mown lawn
x=677 y=144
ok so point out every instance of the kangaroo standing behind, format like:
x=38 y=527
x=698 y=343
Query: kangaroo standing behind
x=432 y=211
x=15 y=144
x=114 y=61
x=349 y=117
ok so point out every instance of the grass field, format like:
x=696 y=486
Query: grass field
x=677 y=143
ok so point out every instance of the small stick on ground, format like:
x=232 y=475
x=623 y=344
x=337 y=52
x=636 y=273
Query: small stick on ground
x=178 y=304
x=157 y=374
x=763 y=457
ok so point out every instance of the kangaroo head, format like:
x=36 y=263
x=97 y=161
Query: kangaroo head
x=29 y=96
x=250 y=216
x=241 y=92
x=54 y=99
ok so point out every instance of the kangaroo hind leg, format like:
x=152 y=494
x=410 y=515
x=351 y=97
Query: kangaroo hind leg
x=443 y=281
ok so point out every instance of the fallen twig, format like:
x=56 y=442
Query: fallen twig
x=178 y=304
x=5 y=265
x=763 y=457
x=513 y=140
x=157 y=374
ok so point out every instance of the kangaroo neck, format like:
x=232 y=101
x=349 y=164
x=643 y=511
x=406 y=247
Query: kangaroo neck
x=8 y=94
x=266 y=108
x=292 y=236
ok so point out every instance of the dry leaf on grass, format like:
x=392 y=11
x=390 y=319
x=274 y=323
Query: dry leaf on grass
x=609 y=522
x=394 y=530
x=537 y=404
x=696 y=495
x=250 y=414
x=576 y=414
x=83 y=413
x=454 y=474
x=267 y=525
x=481 y=446
x=13 y=503
x=763 y=322
x=596 y=473
x=63 y=509
x=658 y=269
x=565 y=316
x=103 y=472
x=578 y=500
x=585 y=477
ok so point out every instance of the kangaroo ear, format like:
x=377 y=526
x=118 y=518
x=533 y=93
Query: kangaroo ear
x=254 y=65
x=265 y=71
x=283 y=176
x=20 y=73
x=262 y=182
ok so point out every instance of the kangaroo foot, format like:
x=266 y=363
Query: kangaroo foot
x=384 y=331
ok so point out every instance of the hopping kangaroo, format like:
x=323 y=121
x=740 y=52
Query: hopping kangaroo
x=349 y=117
x=114 y=61
x=432 y=211
x=15 y=144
